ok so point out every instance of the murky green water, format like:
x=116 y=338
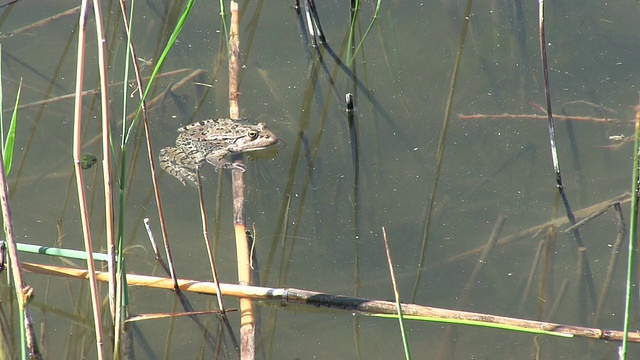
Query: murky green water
x=491 y=167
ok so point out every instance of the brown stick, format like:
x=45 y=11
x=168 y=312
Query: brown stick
x=335 y=302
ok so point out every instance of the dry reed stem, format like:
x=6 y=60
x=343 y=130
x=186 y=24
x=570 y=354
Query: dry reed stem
x=336 y=302
x=82 y=203
x=106 y=152
x=247 y=321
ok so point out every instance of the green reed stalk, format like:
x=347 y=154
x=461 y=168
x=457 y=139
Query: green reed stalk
x=17 y=280
x=7 y=150
x=373 y=20
x=120 y=286
x=352 y=28
x=632 y=236
x=163 y=56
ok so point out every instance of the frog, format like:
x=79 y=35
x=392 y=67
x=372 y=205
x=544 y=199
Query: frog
x=210 y=141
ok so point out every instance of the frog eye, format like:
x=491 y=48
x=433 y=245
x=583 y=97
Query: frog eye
x=253 y=134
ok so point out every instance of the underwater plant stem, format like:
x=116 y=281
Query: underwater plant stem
x=441 y=146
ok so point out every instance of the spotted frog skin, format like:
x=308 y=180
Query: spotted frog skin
x=211 y=141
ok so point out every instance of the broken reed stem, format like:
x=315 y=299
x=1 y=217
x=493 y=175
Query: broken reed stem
x=247 y=321
x=154 y=246
x=82 y=203
x=334 y=302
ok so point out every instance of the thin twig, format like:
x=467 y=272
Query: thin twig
x=207 y=242
x=542 y=117
x=396 y=293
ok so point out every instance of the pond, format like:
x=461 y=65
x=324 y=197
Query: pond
x=444 y=141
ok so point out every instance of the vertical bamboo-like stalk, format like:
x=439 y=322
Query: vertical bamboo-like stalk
x=77 y=140
x=247 y=322
x=106 y=152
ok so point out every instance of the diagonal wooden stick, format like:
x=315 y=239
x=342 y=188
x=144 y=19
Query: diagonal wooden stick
x=339 y=303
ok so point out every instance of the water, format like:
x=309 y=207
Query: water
x=491 y=167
